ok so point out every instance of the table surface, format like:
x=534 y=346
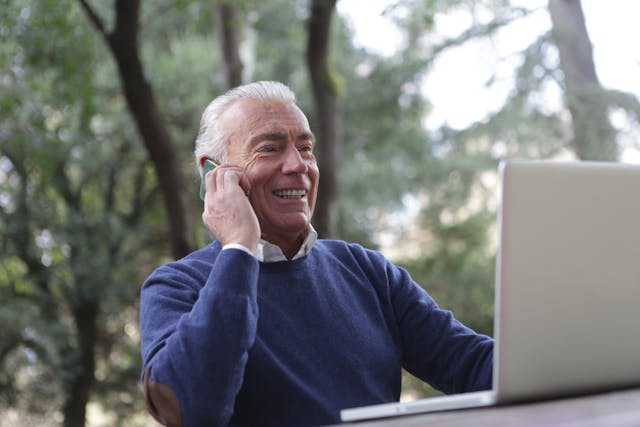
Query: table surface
x=611 y=409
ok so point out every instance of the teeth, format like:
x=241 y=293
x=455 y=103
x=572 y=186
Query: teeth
x=290 y=193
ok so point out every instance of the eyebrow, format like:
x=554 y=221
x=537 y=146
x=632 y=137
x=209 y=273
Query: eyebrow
x=306 y=135
x=281 y=136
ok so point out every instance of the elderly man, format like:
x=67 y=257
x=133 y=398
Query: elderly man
x=269 y=326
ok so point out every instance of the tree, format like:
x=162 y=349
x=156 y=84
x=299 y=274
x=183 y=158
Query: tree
x=228 y=25
x=81 y=220
x=593 y=135
x=78 y=219
x=72 y=222
x=123 y=43
x=327 y=107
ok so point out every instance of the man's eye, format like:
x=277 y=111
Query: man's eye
x=267 y=149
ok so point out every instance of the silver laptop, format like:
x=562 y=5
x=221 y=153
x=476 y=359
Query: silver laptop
x=567 y=300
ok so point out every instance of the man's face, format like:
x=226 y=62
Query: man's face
x=273 y=143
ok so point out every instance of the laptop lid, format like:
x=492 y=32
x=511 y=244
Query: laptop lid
x=567 y=317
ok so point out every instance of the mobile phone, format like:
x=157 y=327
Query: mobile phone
x=208 y=166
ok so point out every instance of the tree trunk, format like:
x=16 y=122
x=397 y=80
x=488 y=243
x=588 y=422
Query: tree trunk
x=123 y=42
x=75 y=405
x=327 y=108
x=593 y=135
x=228 y=26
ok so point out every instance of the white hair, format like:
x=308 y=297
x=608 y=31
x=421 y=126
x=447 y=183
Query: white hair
x=211 y=141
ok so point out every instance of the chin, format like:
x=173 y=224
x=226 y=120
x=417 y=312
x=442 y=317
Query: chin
x=292 y=223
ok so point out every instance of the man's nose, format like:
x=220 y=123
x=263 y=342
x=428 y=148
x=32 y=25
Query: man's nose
x=293 y=161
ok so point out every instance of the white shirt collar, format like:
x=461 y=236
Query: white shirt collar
x=268 y=252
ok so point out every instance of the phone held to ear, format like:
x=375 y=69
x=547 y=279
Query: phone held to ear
x=207 y=167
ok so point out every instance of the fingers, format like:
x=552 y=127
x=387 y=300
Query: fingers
x=226 y=179
x=228 y=213
x=245 y=184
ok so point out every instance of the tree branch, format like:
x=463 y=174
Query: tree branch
x=477 y=31
x=96 y=21
x=138 y=92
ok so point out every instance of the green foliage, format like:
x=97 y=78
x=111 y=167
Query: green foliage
x=71 y=220
x=459 y=269
x=82 y=223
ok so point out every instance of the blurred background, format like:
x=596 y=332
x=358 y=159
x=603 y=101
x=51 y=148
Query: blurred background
x=414 y=103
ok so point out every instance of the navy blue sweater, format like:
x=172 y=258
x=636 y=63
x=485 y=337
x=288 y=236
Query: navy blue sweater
x=241 y=342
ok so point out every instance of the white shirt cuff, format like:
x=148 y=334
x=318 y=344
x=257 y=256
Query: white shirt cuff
x=238 y=246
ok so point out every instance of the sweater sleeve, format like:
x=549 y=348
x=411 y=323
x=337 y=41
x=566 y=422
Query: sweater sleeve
x=436 y=347
x=195 y=337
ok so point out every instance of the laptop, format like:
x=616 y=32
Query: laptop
x=567 y=292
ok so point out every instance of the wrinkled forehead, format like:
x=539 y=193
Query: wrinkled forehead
x=250 y=115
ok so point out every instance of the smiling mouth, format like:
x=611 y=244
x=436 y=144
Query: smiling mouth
x=290 y=194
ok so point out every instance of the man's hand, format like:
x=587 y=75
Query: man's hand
x=227 y=211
